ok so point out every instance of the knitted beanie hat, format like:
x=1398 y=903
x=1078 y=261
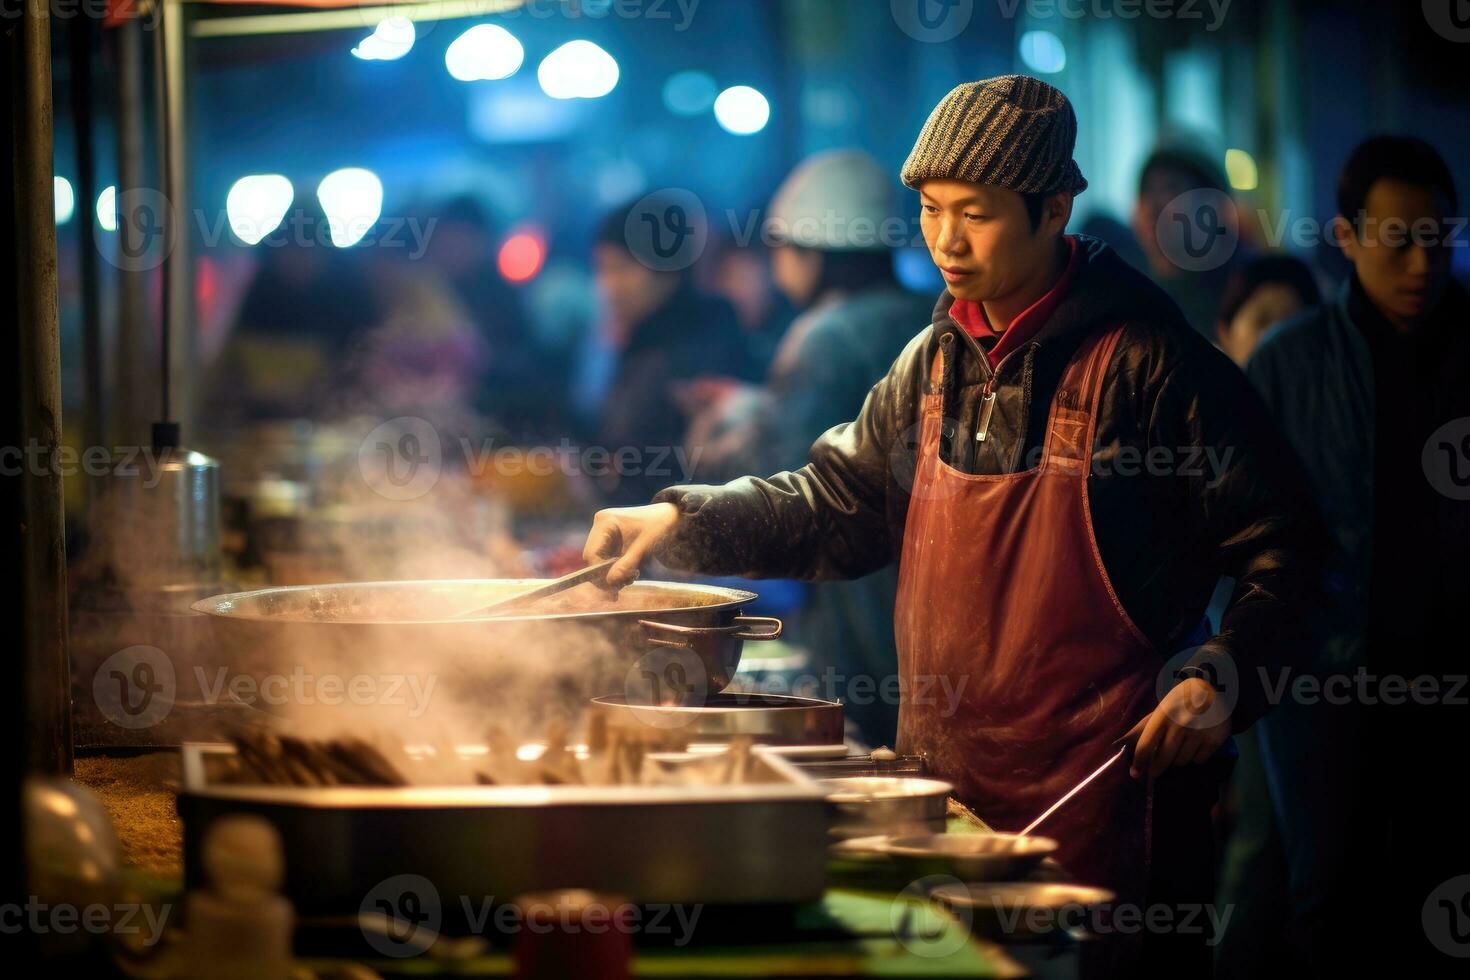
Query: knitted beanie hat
x=1012 y=131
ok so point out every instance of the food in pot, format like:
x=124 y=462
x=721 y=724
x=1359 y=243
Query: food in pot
x=287 y=760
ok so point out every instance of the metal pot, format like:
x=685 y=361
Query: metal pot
x=659 y=643
x=861 y=806
x=767 y=719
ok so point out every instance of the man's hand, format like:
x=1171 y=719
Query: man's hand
x=1180 y=731
x=631 y=532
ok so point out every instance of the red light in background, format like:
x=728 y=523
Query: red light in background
x=521 y=256
x=206 y=282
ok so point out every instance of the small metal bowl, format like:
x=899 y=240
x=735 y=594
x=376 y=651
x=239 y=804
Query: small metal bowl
x=861 y=806
x=1010 y=910
x=971 y=857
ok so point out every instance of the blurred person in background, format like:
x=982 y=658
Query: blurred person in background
x=1253 y=879
x=1373 y=390
x=832 y=262
x=1261 y=293
x=1106 y=228
x=308 y=303
x=521 y=382
x=742 y=274
x=424 y=355
x=1169 y=174
x=663 y=331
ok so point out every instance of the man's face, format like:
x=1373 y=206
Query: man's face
x=795 y=272
x=1271 y=303
x=1400 y=251
x=631 y=289
x=981 y=237
x=1161 y=187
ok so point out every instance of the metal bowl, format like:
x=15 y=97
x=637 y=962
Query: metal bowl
x=768 y=719
x=861 y=806
x=1022 y=909
x=971 y=857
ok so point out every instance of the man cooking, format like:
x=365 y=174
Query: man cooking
x=1064 y=470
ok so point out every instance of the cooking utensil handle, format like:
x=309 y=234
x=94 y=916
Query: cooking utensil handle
x=684 y=636
x=596 y=572
x=681 y=637
x=776 y=627
x=1074 y=791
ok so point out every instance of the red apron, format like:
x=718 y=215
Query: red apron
x=1018 y=665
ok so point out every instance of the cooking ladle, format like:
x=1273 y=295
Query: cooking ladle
x=1075 y=790
x=595 y=573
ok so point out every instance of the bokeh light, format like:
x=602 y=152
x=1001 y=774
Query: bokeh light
x=1240 y=168
x=578 y=70
x=107 y=208
x=689 y=93
x=1043 y=52
x=742 y=110
x=352 y=199
x=485 y=52
x=66 y=199
x=522 y=256
x=256 y=204
x=389 y=41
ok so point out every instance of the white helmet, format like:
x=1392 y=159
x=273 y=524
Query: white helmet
x=840 y=200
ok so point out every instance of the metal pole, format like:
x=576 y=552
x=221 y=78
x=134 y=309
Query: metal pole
x=82 y=31
x=133 y=387
x=179 y=347
x=36 y=547
x=163 y=123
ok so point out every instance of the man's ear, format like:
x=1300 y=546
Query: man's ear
x=1345 y=238
x=1056 y=211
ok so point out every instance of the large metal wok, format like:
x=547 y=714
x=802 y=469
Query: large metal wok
x=656 y=643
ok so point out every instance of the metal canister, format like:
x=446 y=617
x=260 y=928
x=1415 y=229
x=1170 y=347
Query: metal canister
x=157 y=522
x=153 y=549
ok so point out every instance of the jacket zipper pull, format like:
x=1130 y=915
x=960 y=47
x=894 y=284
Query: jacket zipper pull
x=987 y=405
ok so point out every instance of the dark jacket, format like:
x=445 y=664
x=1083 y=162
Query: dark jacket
x=1361 y=403
x=690 y=335
x=1223 y=495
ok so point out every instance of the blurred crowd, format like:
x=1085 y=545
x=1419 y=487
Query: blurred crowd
x=714 y=353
